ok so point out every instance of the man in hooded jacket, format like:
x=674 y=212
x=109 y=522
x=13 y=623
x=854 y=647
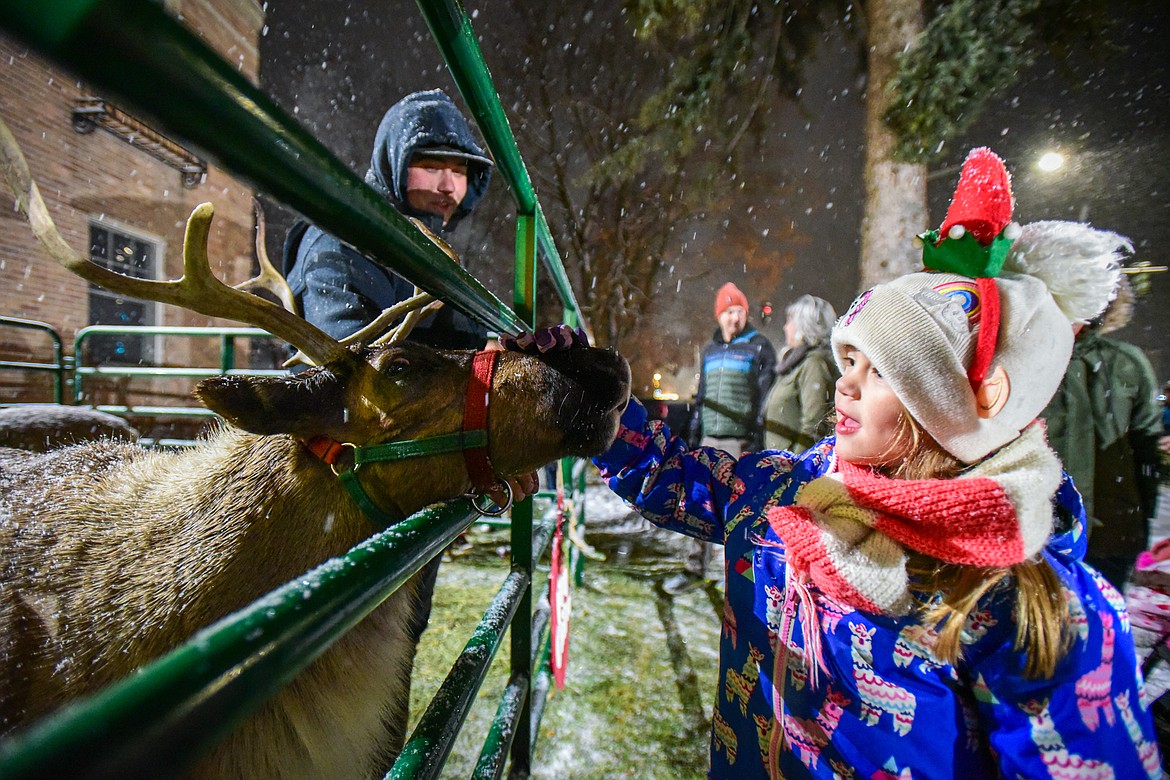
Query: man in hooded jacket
x=427 y=164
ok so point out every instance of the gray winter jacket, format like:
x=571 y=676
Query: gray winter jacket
x=340 y=290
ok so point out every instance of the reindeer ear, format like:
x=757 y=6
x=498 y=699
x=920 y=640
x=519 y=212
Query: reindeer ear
x=304 y=404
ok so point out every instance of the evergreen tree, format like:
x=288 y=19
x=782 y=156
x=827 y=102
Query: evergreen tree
x=930 y=67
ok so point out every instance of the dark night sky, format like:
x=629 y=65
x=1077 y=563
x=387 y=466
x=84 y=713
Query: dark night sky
x=338 y=65
x=1111 y=118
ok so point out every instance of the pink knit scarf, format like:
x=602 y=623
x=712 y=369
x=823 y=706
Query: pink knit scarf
x=848 y=531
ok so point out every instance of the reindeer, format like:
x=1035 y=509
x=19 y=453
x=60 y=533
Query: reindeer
x=42 y=427
x=111 y=555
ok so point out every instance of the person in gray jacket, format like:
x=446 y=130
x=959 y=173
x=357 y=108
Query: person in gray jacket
x=801 y=398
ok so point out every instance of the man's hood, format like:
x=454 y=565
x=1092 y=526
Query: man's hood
x=418 y=121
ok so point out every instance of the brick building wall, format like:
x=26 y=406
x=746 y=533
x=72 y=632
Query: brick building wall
x=99 y=178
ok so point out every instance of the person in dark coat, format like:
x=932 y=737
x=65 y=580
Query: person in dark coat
x=1104 y=423
x=427 y=164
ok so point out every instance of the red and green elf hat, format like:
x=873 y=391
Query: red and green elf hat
x=974 y=241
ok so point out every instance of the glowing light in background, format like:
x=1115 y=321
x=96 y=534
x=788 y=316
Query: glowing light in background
x=1050 y=161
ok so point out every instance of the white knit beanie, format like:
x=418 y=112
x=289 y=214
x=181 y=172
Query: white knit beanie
x=920 y=331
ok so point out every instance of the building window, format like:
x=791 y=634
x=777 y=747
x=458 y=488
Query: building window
x=130 y=256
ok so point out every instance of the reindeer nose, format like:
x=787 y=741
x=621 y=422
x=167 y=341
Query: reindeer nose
x=603 y=373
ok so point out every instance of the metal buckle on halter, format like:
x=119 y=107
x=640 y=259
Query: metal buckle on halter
x=498 y=511
x=338 y=469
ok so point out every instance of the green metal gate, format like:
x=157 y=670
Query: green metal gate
x=59 y=367
x=182 y=703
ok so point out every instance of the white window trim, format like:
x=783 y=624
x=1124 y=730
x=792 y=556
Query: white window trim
x=157 y=310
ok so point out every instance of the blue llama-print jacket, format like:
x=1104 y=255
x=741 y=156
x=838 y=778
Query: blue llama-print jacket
x=883 y=706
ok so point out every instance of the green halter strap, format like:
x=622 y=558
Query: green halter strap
x=472 y=441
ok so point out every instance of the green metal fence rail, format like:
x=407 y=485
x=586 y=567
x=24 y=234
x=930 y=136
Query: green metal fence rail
x=59 y=367
x=452 y=31
x=225 y=337
x=180 y=704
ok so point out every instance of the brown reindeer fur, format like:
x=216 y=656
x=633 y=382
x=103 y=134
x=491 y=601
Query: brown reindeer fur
x=113 y=555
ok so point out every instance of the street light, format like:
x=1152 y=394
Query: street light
x=660 y=394
x=1050 y=161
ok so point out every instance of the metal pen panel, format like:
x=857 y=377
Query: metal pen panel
x=179 y=705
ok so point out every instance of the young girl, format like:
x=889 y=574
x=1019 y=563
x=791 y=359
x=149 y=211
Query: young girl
x=906 y=599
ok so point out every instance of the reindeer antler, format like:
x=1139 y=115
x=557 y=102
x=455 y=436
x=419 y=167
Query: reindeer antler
x=269 y=279
x=407 y=309
x=413 y=310
x=425 y=307
x=198 y=290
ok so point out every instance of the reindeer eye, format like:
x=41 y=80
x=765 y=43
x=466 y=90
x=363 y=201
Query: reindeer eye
x=396 y=366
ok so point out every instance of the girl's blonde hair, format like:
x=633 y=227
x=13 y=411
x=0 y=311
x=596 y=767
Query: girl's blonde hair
x=951 y=593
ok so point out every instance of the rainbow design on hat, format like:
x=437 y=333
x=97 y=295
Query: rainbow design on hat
x=966 y=294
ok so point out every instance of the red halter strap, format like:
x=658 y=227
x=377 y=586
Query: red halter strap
x=475 y=417
x=472 y=441
x=326 y=449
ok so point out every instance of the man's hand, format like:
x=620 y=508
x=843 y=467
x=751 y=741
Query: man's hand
x=522 y=487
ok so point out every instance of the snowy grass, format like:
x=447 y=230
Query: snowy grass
x=642 y=669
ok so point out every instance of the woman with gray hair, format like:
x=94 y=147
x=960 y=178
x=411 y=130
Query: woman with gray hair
x=802 y=394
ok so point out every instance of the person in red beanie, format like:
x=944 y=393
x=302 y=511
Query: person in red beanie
x=737 y=369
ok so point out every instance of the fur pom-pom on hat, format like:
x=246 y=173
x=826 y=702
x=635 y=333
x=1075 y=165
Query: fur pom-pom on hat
x=1079 y=265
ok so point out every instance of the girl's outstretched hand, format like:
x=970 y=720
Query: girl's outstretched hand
x=543 y=340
